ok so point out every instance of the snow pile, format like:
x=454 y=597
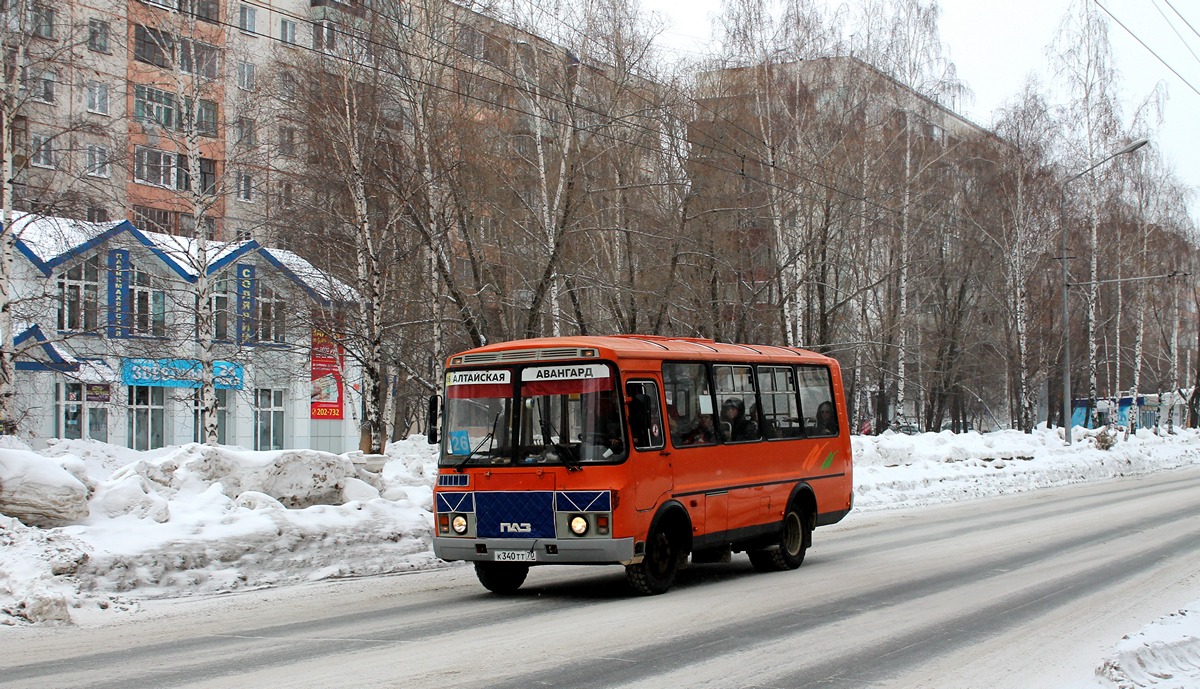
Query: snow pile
x=41 y=492
x=37 y=573
x=1165 y=654
x=894 y=469
x=196 y=520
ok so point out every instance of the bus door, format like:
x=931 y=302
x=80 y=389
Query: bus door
x=650 y=466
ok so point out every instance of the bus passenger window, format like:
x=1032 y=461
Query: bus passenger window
x=739 y=406
x=780 y=413
x=690 y=406
x=645 y=415
x=816 y=401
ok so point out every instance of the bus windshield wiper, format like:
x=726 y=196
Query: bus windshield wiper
x=569 y=459
x=491 y=435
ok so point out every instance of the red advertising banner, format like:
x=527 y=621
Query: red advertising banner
x=326 y=377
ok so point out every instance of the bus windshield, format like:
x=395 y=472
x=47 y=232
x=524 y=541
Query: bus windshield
x=564 y=414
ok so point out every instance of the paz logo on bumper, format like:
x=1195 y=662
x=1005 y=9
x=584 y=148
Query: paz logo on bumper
x=515 y=514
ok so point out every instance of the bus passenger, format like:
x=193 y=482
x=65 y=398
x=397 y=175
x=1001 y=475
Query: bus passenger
x=826 y=420
x=734 y=424
x=702 y=434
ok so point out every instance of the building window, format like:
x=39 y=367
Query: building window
x=246 y=18
x=41 y=151
x=287 y=141
x=287 y=195
x=153 y=219
x=154 y=167
x=245 y=131
x=220 y=311
x=153 y=105
x=208 y=174
x=287 y=31
x=187 y=226
x=78 y=296
x=245 y=187
x=198 y=58
x=152 y=46
x=245 y=76
x=147 y=411
x=270 y=323
x=268 y=419
x=77 y=402
x=41 y=21
x=287 y=87
x=97 y=97
x=99 y=161
x=205 y=10
x=42 y=85
x=206 y=117
x=324 y=35
x=198 y=416
x=148 y=306
x=98 y=33
x=95 y=214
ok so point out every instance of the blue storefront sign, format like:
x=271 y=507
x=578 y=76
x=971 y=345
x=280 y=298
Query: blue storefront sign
x=179 y=373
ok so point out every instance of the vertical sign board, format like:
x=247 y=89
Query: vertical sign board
x=118 y=293
x=327 y=390
x=245 y=304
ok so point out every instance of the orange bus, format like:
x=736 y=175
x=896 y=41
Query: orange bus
x=637 y=450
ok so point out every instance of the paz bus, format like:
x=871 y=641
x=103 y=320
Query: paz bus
x=636 y=450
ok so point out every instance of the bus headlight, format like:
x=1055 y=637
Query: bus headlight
x=459 y=524
x=578 y=525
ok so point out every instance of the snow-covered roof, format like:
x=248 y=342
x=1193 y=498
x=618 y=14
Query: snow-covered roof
x=49 y=241
x=319 y=283
x=44 y=238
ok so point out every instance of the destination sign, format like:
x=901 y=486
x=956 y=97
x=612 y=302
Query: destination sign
x=582 y=372
x=478 y=377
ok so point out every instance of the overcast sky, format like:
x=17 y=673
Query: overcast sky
x=996 y=45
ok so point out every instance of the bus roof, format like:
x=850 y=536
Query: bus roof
x=626 y=347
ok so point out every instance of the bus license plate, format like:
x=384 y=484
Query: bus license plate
x=514 y=556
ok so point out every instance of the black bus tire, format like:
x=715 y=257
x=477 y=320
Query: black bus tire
x=502 y=578
x=789 y=553
x=656 y=572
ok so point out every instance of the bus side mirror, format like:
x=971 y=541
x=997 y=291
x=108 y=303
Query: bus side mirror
x=433 y=420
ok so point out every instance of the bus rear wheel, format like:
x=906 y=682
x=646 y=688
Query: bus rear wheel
x=789 y=553
x=501 y=577
x=656 y=572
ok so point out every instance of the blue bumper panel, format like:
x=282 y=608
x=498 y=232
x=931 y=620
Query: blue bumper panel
x=502 y=514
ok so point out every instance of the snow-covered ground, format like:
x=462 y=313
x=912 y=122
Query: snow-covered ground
x=87 y=527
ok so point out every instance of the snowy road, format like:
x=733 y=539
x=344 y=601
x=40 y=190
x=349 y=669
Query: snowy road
x=1028 y=590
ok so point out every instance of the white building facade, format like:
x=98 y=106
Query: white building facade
x=107 y=343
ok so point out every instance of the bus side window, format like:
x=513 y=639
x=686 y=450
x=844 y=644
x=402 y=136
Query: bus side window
x=781 y=415
x=689 y=404
x=645 y=415
x=739 y=416
x=816 y=401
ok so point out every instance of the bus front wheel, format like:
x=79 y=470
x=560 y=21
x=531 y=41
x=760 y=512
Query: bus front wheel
x=656 y=572
x=789 y=553
x=501 y=577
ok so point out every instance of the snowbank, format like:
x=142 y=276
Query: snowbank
x=1165 y=654
x=197 y=520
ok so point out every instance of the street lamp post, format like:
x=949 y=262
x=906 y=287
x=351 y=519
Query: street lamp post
x=1066 y=320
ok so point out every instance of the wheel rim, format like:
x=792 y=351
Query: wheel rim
x=793 y=534
x=660 y=555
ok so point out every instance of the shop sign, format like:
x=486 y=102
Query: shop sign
x=179 y=373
